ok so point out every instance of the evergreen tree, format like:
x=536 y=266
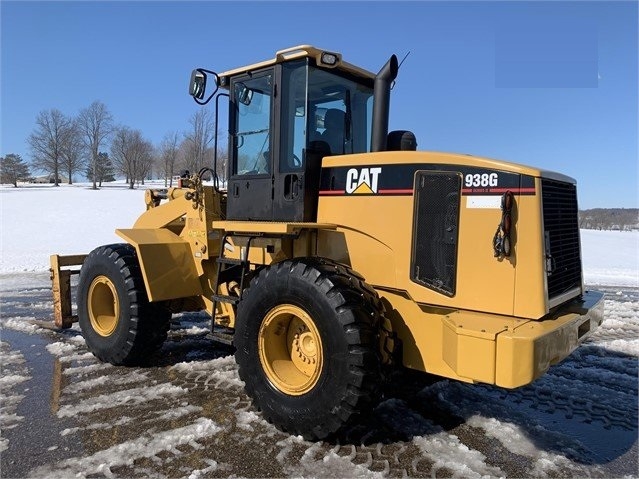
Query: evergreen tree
x=13 y=169
x=104 y=169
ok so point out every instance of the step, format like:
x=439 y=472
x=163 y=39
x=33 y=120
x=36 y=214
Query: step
x=232 y=261
x=222 y=298
x=219 y=337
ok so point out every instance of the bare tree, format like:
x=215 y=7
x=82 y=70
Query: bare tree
x=146 y=158
x=96 y=125
x=222 y=164
x=183 y=161
x=13 y=169
x=72 y=152
x=197 y=141
x=168 y=156
x=48 y=141
x=131 y=154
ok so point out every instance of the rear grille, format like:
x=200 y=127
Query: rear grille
x=561 y=232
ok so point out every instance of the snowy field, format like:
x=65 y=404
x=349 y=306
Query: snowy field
x=64 y=414
x=38 y=220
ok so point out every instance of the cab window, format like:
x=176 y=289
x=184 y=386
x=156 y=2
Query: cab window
x=252 y=100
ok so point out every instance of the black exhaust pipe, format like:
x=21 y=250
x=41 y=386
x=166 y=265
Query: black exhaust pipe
x=381 y=103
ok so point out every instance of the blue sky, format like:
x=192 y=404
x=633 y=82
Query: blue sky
x=550 y=84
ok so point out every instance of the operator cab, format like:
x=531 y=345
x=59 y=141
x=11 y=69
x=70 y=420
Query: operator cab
x=285 y=115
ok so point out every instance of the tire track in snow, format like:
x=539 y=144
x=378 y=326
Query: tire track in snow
x=623 y=384
x=126 y=397
x=316 y=461
x=621 y=321
x=148 y=445
x=88 y=385
x=553 y=393
x=481 y=407
x=443 y=451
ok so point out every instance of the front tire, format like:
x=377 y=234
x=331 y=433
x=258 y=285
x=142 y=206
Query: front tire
x=119 y=324
x=307 y=345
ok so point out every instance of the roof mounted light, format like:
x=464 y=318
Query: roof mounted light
x=329 y=59
x=322 y=57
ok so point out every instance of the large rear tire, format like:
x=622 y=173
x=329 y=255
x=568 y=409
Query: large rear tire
x=307 y=345
x=119 y=324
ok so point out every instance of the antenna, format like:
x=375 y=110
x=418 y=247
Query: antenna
x=400 y=64
x=405 y=57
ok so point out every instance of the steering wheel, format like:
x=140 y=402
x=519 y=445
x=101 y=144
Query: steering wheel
x=296 y=161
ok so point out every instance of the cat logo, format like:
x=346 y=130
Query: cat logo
x=362 y=181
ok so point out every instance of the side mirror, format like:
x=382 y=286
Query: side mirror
x=244 y=94
x=320 y=113
x=197 y=87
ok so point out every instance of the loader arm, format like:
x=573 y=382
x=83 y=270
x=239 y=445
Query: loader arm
x=172 y=242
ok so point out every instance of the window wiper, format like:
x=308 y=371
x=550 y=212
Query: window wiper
x=252 y=132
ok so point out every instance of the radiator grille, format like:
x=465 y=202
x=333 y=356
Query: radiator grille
x=434 y=251
x=561 y=233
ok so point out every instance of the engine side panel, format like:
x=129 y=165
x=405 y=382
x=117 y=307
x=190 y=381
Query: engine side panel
x=373 y=203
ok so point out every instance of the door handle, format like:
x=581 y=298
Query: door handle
x=291 y=186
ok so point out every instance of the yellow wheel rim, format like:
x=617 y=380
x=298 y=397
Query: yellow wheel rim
x=103 y=305
x=290 y=349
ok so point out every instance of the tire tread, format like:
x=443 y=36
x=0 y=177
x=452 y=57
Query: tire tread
x=148 y=322
x=358 y=309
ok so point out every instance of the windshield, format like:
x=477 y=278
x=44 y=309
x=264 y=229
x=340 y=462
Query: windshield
x=322 y=106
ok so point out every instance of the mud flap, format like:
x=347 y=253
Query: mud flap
x=166 y=261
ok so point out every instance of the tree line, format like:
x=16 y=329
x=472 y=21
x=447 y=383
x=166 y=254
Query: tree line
x=92 y=143
x=618 y=219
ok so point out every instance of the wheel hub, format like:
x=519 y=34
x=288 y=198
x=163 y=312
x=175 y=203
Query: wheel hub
x=304 y=347
x=103 y=306
x=290 y=350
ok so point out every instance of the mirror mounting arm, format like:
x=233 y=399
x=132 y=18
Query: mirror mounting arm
x=198 y=85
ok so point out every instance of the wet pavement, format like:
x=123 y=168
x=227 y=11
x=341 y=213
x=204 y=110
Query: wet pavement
x=65 y=414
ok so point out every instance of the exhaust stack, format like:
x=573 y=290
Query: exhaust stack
x=381 y=103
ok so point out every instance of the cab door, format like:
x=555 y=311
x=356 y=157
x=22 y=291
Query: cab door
x=251 y=145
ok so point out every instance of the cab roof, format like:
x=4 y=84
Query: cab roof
x=304 y=51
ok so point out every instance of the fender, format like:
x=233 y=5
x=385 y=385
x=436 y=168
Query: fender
x=166 y=262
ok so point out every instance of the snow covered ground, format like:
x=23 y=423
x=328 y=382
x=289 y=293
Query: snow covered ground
x=40 y=220
x=188 y=416
x=610 y=257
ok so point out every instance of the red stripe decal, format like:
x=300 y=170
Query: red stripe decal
x=380 y=192
x=396 y=192
x=407 y=191
x=332 y=192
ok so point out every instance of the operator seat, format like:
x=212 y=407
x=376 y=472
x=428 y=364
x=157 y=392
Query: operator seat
x=334 y=130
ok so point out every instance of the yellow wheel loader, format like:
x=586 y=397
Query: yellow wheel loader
x=336 y=252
